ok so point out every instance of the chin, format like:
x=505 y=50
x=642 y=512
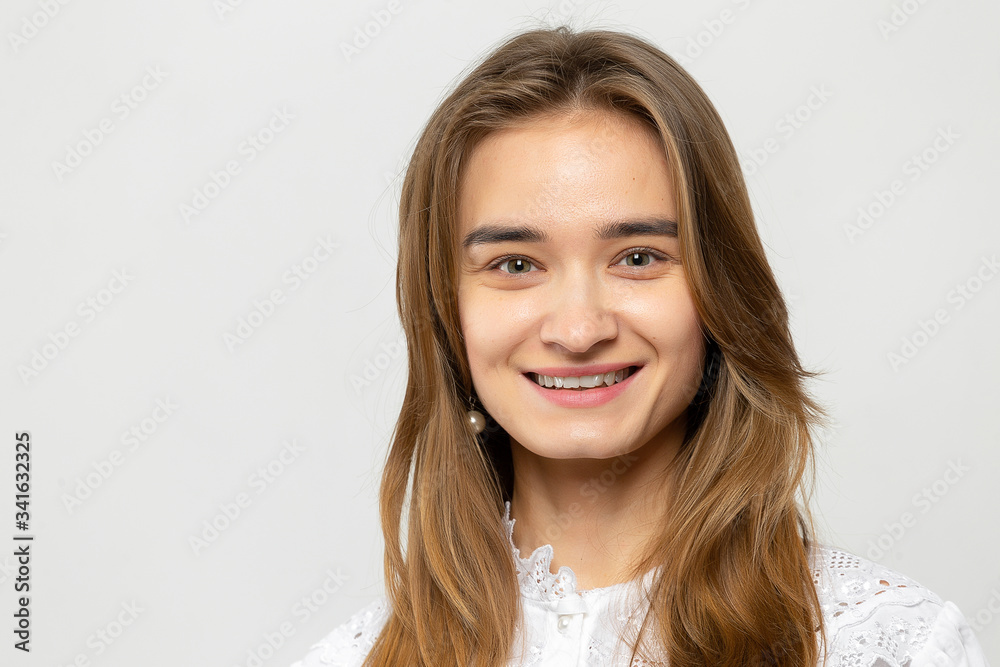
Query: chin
x=594 y=447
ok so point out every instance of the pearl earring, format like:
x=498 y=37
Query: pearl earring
x=476 y=419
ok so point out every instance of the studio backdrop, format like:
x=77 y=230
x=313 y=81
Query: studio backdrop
x=201 y=362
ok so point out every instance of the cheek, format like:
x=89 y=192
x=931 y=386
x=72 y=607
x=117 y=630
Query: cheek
x=669 y=318
x=468 y=318
x=494 y=323
x=690 y=343
x=487 y=349
x=482 y=331
x=674 y=328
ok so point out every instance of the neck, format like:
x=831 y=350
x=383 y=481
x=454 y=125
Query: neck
x=599 y=515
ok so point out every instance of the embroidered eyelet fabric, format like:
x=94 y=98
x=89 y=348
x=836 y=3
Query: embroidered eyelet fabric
x=874 y=617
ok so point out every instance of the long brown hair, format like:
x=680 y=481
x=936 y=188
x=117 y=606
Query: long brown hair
x=735 y=585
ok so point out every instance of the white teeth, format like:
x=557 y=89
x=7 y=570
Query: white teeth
x=584 y=381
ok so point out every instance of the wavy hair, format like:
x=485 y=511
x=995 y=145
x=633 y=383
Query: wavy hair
x=734 y=585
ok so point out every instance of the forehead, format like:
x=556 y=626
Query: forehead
x=580 y=165
x=577 y=135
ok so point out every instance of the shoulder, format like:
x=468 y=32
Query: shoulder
x=349 y=643
x=875 y=615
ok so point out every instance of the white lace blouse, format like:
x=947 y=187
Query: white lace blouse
x=874 y=617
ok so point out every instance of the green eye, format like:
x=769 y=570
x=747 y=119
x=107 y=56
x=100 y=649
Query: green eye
x=516 y=265
x=637 y=257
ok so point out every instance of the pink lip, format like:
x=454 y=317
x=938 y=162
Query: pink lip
x=575 y=371
x=588 y=398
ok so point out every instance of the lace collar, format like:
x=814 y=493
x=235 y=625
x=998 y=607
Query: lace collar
x=538 y=582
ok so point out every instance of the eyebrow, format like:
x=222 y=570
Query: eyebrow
x=613 y=229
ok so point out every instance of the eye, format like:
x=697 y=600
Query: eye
x=638 y=257
x=512 y=264
x=634 y=258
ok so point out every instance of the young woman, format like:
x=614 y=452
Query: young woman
x=601 y=376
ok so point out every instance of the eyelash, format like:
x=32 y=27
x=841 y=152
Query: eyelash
x=500 y=261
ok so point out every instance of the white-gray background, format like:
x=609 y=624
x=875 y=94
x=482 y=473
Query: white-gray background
x=140 y=224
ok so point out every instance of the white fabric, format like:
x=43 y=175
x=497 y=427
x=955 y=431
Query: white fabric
x=874 y=617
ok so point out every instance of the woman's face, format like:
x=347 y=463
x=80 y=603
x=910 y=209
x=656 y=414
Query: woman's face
x=569 y=267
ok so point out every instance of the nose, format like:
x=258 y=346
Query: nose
x=578 y=315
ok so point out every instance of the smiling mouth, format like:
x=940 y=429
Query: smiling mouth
x=583 y=382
